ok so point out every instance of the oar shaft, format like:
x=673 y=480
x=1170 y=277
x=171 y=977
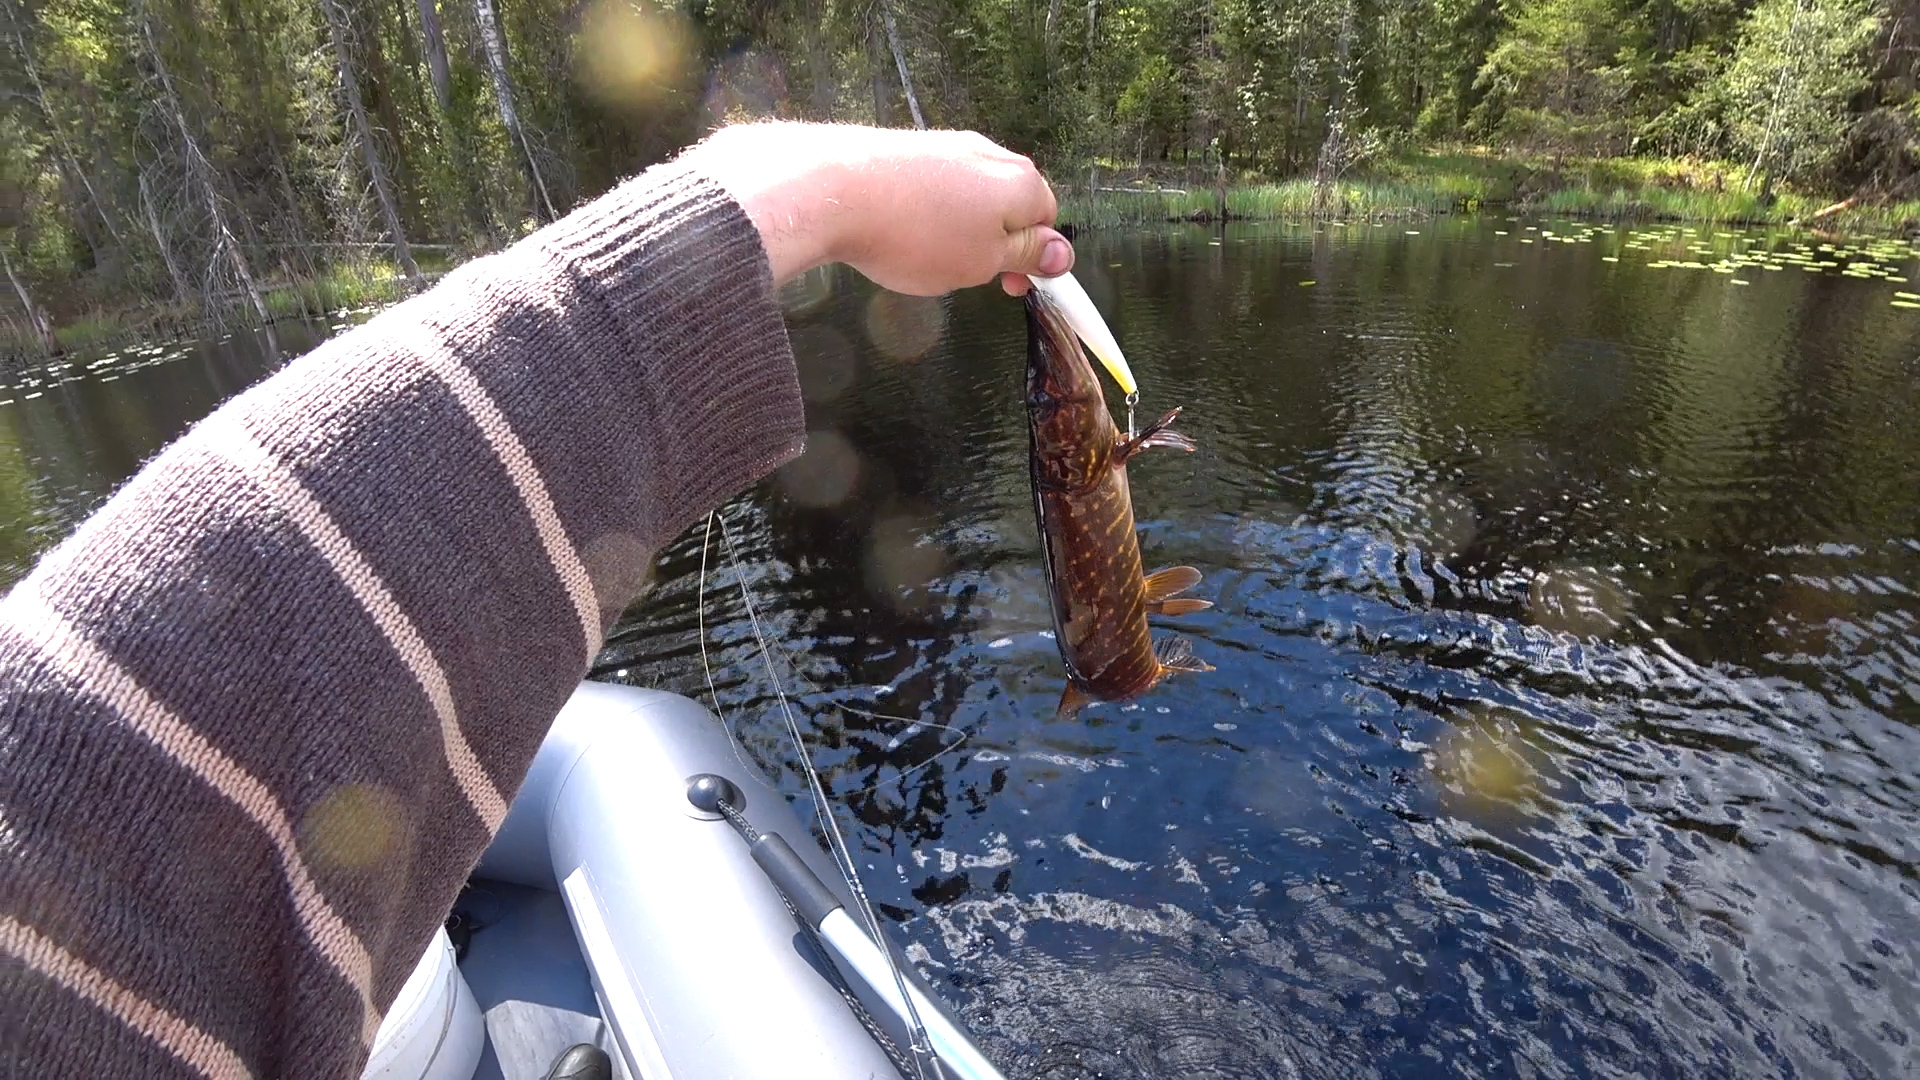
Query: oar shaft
x=956 y=1050
x=817 y=905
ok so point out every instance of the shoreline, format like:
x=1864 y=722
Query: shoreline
x=374 y=281
x=1436 y=182
x=1409 y=185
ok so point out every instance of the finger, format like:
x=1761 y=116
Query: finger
x=1035 y=204
x=1037 y=250
x=1015 y=284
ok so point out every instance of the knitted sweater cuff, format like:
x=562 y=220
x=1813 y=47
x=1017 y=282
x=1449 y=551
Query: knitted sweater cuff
x=674 y=258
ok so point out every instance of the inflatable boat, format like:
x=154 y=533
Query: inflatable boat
x=652 y=904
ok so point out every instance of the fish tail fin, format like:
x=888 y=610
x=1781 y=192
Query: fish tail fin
x=1175 y=654
x=1072 y=700
x=1158 y=433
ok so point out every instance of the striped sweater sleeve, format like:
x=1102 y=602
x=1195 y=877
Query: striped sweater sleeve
x=261 y=714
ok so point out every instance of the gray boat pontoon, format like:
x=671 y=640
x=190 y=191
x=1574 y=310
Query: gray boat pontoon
x=642 y=896
x=619 y=907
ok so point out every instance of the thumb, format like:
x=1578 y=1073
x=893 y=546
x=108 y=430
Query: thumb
x=1039 y=250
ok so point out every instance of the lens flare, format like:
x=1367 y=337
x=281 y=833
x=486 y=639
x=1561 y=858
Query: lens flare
x=632 y=53
x=823 y=476
x=828 y=366
x=905 y=327
x=1578 y=600
x=1484 y=766
x=900 y=561
x=353 y=827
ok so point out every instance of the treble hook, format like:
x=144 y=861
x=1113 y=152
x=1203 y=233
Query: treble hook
x=1132 y=400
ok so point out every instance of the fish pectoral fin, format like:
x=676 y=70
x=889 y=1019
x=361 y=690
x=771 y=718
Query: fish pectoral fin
x=1071 y=702
x=1176 y=654
x=1178 y=607
x=1171 y=581
x=1158 y=433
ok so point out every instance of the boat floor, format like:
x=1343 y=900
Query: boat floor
x=525 y=969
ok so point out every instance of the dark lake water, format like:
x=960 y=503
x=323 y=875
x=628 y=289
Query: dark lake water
x=1567 y=711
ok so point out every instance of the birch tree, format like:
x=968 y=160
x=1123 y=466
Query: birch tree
x=900 y=61
x=1787 y=89
x=36 y=316
x=43 y=103
x=363 y=131
x=496 y=50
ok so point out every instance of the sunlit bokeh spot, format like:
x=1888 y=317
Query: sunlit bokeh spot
x=1515 y=464
x=1444 y=522
x=905 y=327
x=355 y=826
x=1806 y=612
x=1481 y=764
x=900 y=560
x=826 y=362
x=825 y=475
x=1578 y=600
x=1280 y=788
x=1009 y=602
x=633 y=53
x=806 y=293
x=619 y=566
x=212 y=601
x=746 y=86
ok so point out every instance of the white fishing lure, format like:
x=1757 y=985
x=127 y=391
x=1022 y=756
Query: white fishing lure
x=1067 y=294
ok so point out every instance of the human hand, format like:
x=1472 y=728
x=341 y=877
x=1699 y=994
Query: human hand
x=920 y=212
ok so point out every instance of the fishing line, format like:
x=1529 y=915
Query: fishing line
x=706 y=666
x=740 y=754
x=836 y=843
x=898 y=740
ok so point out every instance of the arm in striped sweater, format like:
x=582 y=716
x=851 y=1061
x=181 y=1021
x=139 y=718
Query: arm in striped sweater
x=260 y=715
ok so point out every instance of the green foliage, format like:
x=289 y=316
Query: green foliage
x=103 y=204
x=1559 y=80
x=1785 y=93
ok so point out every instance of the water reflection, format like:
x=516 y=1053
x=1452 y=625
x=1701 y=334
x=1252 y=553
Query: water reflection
x=1566 y=647
x=71 y=432
x=1568 y=659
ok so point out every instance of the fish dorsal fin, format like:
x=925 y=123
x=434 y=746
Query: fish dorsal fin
x=1176 y=654
x=1170 y=582
x=1071 y=702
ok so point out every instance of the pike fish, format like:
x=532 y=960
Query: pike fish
x=1084 y=509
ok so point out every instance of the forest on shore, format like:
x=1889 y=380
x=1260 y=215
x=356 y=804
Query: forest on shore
x=266 y=157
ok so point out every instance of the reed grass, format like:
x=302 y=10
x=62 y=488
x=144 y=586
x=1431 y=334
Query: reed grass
x=1286 y=199
x=348 y=285
x=1453 y=179
x=1728 y=207
x=345 y=286
x=93 y=331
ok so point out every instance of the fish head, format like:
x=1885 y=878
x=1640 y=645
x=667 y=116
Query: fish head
x=1065 y=406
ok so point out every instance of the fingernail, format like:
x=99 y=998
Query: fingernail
x=1055 y=257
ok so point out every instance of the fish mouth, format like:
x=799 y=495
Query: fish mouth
x=1076 y=308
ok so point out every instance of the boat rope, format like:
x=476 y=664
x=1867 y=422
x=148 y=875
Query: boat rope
x=926 y=1064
